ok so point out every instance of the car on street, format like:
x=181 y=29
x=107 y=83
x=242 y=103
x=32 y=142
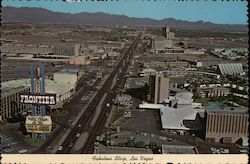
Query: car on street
x=169 y=139
x=71 y=145
x=78 y=135
x=14 y=143
x=60 y=148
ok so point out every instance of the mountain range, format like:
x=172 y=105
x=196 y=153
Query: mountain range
x=40 y=15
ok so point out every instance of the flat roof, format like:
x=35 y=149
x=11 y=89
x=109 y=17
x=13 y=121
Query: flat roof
x=178 y=149
x=10 y=90
x=50 y=86
x=228 y=110
x=184 y=118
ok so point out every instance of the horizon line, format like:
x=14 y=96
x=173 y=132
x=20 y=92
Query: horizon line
x=122 y=15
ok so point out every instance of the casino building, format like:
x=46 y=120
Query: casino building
x=10 y=102
x=11 y=90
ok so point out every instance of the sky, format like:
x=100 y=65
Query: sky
x=221 y=12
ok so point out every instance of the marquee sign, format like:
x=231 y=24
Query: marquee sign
x=38 y=124
x=46 y=99
x=38 y=128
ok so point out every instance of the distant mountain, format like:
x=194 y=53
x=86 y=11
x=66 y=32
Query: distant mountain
x=39 y=15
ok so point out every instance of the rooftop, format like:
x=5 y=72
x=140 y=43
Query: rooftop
x=230 y=68
x=184 y=118
x=123 y=150
x=50 y=86
x=228 y=110
x=178 y=149
x=71 y=71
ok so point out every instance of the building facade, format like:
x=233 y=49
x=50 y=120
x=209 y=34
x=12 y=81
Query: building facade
x=79 y=60
x=158 y=88
x=166 y=33
x=213 y=92
x=74 y=50
x=161 y=43
x=10 y=102
x=227 y=126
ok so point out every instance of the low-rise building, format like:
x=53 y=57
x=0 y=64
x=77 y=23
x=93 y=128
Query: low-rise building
x=185 y=118
x=231 y=68
x=205 y=92
x=79 y=60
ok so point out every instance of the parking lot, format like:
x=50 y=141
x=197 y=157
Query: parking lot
x=145 y=137
x=13 y=141
x=141 y=120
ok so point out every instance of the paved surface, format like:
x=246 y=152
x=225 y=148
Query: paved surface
x=142 y=121
x=146 y=137
x=11 y=136
x=80 y=142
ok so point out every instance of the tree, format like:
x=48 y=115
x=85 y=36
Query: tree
x=131 y=143
x=140 y=144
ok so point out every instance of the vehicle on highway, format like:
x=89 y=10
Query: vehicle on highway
x=78 y=135
x=169 y=139
x=79 y=125
x=71 y=144
x=164 y=138
x=131 y=138
x=8 y=138
x=60 y=148
x=14 y=143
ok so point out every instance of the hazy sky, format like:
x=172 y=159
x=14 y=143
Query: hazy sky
x=223 y=12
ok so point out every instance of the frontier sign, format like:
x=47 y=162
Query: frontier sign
x=47 y=99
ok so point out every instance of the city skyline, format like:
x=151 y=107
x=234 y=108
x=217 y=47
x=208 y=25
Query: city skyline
x=214 y=12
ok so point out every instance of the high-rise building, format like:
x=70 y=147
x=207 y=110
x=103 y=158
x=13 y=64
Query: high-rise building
x=161 y=43
x=227 y=126
x=166 y=33
x=158 y=88
x=164 y=41
x=73 y=50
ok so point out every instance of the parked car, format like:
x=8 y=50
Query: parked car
x=22 y=151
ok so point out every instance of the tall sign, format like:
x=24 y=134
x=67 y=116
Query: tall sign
x=38 y=123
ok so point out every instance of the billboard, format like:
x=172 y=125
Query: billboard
x=38 y=124
x=41 y=99
x=38 y=128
